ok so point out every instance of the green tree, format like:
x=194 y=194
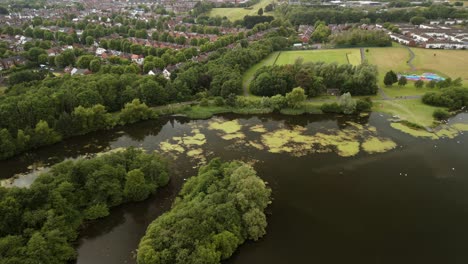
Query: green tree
x=260 y=11
x=418 y=20
x=390 y=78
x=441 y=114
x=431 y=84
x=347 y=104
x=96 y=211
x=7 y=145
x=419 y=83
x=296 y=97
x=321 y=33
x=136 y=188
x=44 y=135
x=402 y=81
x=89 y=40
x=134 y=112
x=95 y=65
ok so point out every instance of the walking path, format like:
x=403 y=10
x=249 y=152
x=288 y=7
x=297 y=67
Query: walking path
x=363 y=55
x=410 y=61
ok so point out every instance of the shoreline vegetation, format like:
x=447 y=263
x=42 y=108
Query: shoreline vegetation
x=214 y=213
x=205 y=109
x=39 y=224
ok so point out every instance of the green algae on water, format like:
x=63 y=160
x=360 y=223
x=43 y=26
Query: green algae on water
x=377 y=145
x=258 y=129
x=227 y=127
x=413 y=132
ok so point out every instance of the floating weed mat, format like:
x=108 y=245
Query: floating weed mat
x=190 y=144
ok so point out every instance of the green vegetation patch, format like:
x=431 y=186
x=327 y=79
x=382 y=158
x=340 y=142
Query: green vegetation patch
x=413 y=132
x=39 y=224
x=188 y=144
x=345 y=142
x=445 y=131
x=340 y=56
x=238 y=13
x=214 y=213
x=377 y=145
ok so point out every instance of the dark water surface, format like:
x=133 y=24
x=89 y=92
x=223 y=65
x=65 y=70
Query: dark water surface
x=408 y=205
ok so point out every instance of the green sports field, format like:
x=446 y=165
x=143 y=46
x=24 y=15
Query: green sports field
x=238 y=13
x=340 y=56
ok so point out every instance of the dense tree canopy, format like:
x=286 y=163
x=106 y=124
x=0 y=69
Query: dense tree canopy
x=361 y=38
x=314 y=78
x=452 y=98
x=38 y=224
x=215 y=212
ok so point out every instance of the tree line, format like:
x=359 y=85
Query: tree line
x=214 y=213
x=454 y=98
x=315 y=78
x=42 y=112
x=308 y=16
x=40 y=223
x=361 y=38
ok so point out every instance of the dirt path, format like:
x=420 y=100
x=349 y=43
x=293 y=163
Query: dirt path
x=363 y=55
x=410 y=61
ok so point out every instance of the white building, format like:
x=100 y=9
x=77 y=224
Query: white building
x=166 y=74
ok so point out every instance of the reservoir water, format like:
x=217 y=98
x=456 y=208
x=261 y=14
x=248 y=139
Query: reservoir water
x=345 y=190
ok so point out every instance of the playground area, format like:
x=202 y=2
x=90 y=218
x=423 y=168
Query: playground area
x=427 y=76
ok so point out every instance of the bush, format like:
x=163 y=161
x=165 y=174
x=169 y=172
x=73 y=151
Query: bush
x=219 y=101
x=333 y=108
x=364 y=105
x=204 y=102
x=419 y=83
x=441 y=114
x=452 y=98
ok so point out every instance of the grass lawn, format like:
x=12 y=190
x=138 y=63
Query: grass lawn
x=340 y=56
x=452 y=63
x=237 y=13
x=394 y=58
x=386 y=59
x=248 y=75
x=412 y=110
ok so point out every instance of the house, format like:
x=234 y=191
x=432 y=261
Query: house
x=445 y=44
x=12 y=61
x=100 y=51
x=402 y=39
x=76 y=71
x=166 y=74
x=137 y=59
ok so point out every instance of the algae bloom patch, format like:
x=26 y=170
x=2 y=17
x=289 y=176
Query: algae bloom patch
x=228 y=129
x=346 y=142
x=445 y=131
x=188 y=144
x=377 y=145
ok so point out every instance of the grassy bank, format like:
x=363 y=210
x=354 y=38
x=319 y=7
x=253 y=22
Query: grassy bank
x=412 y=110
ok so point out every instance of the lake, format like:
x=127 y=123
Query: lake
x=345 y=189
